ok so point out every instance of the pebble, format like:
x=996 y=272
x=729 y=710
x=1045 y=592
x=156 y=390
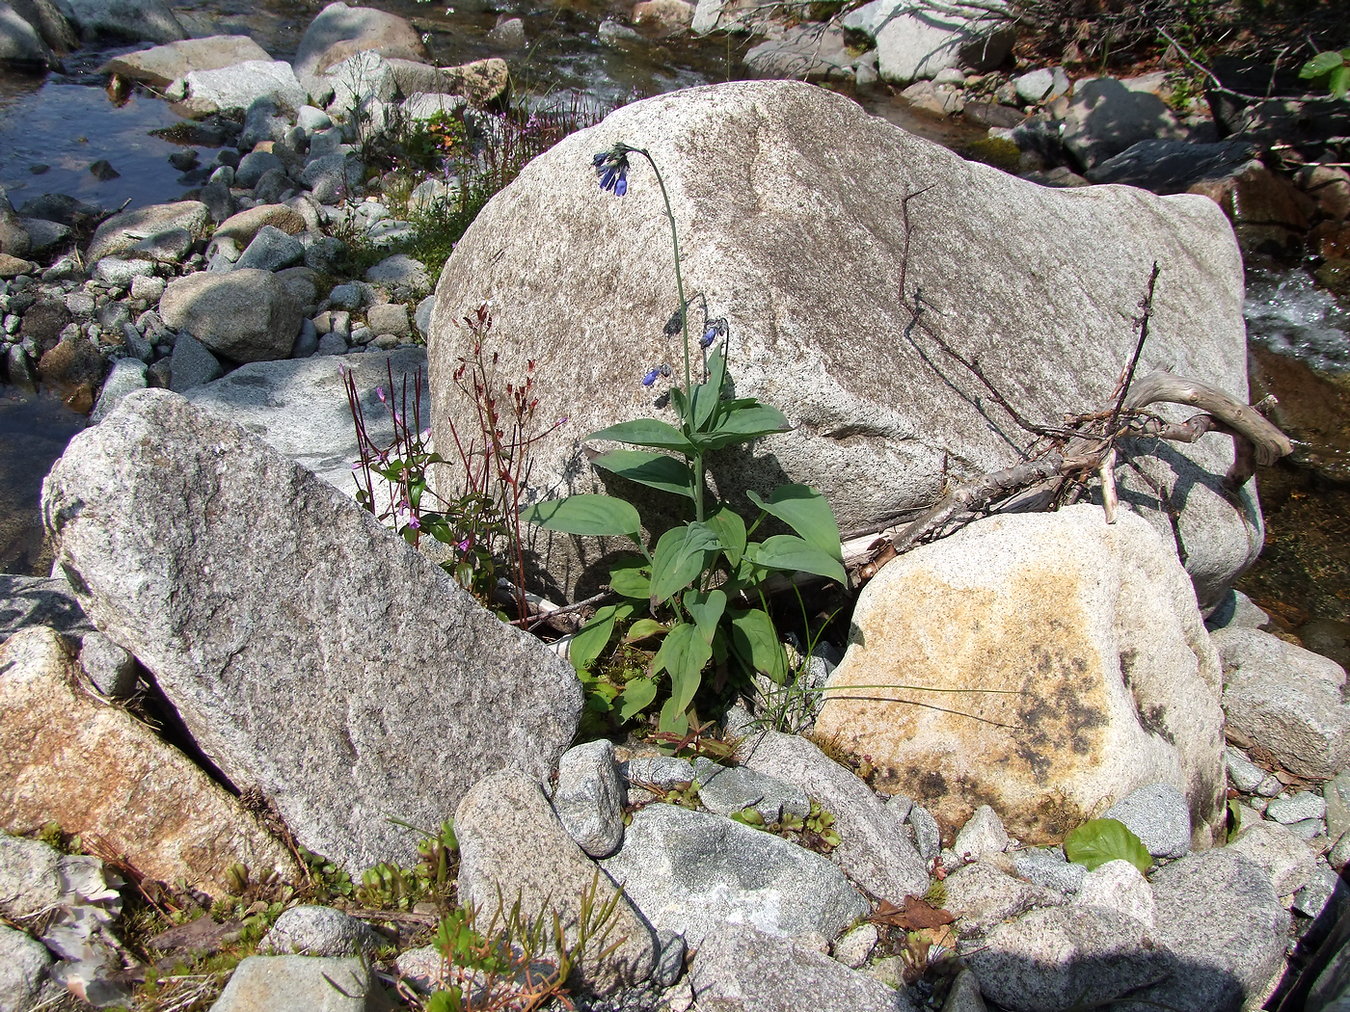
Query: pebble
x=927 y=836
x=1245 y=774
x=1157 y=814
x=1296 y=807
x=1306 y=829
x=1047 y=866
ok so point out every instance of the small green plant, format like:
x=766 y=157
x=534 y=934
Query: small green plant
x=390 y=887
x=1098 y=841
x=1329 y=70
x=700 y=591
x=815 y=831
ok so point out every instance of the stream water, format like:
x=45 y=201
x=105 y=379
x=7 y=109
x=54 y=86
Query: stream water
x=54 y=126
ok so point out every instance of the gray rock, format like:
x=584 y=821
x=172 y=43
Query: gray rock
x=170 y=247
x=119 y=272
x=331 y=343
x=1285 y=699
x=808 y=52
x=276 y=644
x=1245 y=774
x=1047 y=866
x=39 y=600
x=897 y=440
x=323 y=252
x=1119 y=886
x=1293 y=808
x=1106 y=116
x=122 y=233
x=509 y=33
x=192 y=365
x=24 y=961
x=1219 y=915
x=20 y=42
x=1157 y=814
x=1236 y=609
x=696 y=873
x=964 y=994
x=145 y=20
x=349 y=295
x=617 y=36
x=981 y=836
x=671 y=952
x=662 y=771
x=245 y=315
x=332 y=178
x=1042 y=85
x=921 y=43
x=148 y=288
x=30 y=877
x=981 y=896
x=253 y=165
x=300 y=406
x=339 y=30
x=1307 y=829
x=1173 y=166
x=873 y=851
x=234 y=89
x=589 y=798
x=742 y=969
x=311 y=119
x=855 y=948
x=1339 y=855
x=307 y=341
x=359 y=81
x=389 y=318
x=927 y=833
x=1058 y=958
x=425 y=105
x=512 y=847
x=1336 y=794
x=401 y=276
x=109 y=667
x=299 y=984
x=271 y=250
x=160 y=66
x=264 y=121
x=318 y=931
x=1324 y=890
x=127 y=374
x=727 y=789
x=46 y=238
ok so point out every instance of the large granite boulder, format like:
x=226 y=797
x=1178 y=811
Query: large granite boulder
x=1105 y=679
x=340 y=31
x=310 y=652
x=249 y=315
x=789 y=203
x=160 y=66
x=73 y=759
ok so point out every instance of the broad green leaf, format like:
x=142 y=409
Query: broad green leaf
x=629 y=578
x=730 y=528
x=637 y=696
x=683 y=654
x=706 y=395
x=742 y=424
x=643 y=628
x=673 y=720
x=804 y=510
x=1321 y=64
x=597 y=515
x=656 y=470
x=646 y=432
x=593 y=637
x=790 y=553
x=754 y=641
x=1339 y=82
x=705 y=608
x=1100 y=840
x=681 y=554
x=450 y=1000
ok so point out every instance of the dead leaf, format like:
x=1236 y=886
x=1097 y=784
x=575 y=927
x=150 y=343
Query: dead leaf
x=916 y=914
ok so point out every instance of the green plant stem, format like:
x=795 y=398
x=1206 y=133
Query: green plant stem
x=697 y=490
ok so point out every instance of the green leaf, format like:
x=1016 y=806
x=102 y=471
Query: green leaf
x=683 y=654
x=450 y=1000
x=705 y=608
x=790 y=553
x=1339 y=82
x=744 y=422
x=655 y=470
x=597 y=515
x=1100 y=840
x=637 y=696
x=642 y=629
x=804 y=510
x=730 y=529
x=1320 y=64
x=706 y=395
x=646 y=432
x=754 y=640
x=593 y=637
x=629 y=578
x=681 y=554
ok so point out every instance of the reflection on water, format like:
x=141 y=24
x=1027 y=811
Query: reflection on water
x=34 y=430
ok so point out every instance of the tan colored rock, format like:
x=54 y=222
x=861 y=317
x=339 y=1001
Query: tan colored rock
x=479 y=82
x=67 y=757
x=12 y=266
x=1106 y=679
x=160 y=66
x=242 y=227
x=663 y=17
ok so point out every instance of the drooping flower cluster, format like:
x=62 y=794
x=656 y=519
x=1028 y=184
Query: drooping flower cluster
x=611 y=168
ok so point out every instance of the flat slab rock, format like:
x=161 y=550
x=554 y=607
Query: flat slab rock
x=310 y=652
x=69 y=758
